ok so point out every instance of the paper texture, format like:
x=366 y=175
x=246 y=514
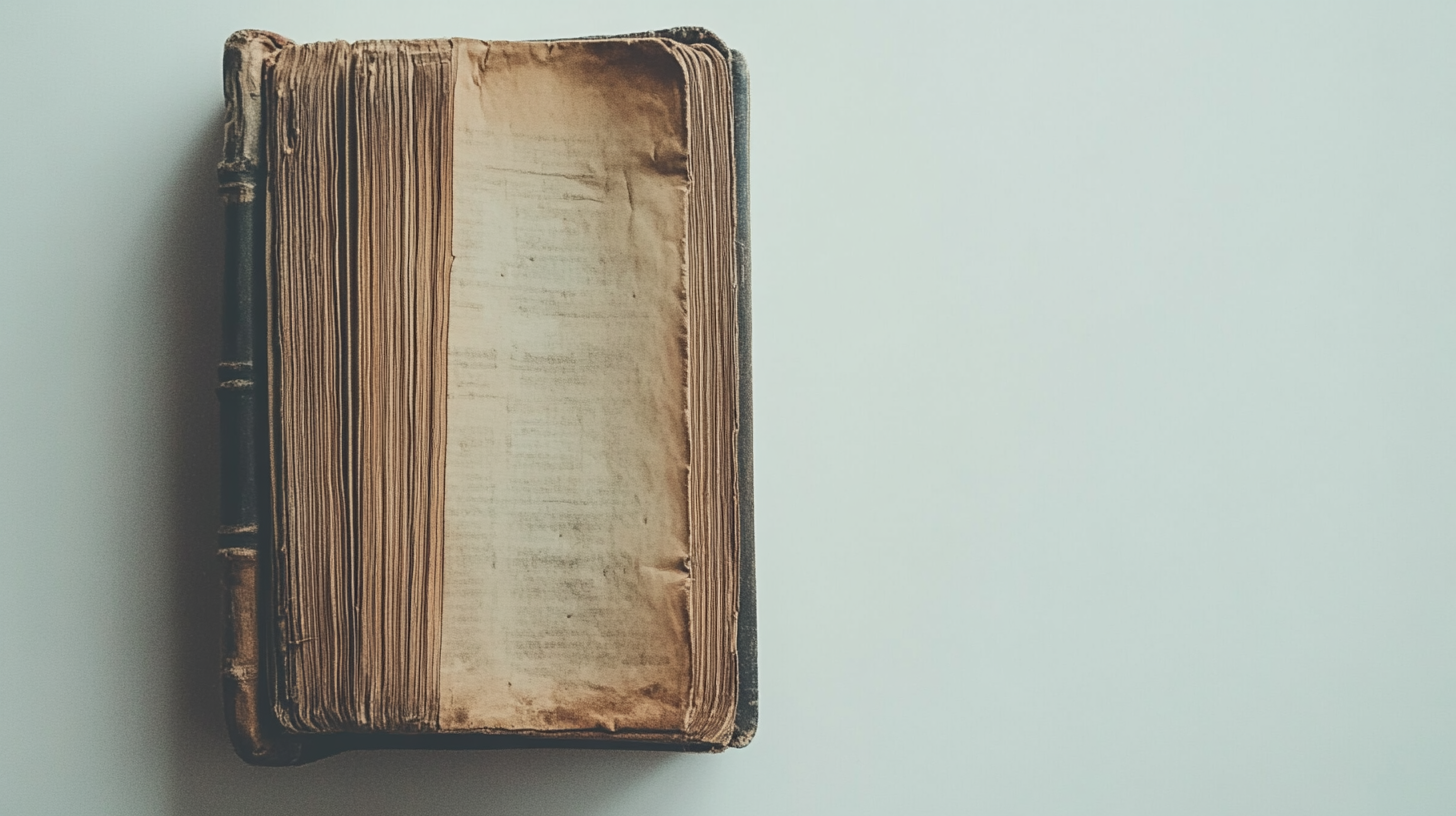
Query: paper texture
x=566 y=537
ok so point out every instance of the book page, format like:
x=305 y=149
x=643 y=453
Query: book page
x=566 y=529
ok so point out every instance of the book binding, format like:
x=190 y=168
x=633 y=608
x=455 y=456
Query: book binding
x=256 y=735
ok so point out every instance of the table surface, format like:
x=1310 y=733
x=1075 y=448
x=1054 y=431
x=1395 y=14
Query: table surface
x=1106 y=419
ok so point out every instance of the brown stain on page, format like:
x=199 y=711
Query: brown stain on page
x=566 y=589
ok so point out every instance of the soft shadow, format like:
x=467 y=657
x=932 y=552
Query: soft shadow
x=206 y=777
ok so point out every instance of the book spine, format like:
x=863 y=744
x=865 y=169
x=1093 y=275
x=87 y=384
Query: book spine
x=241 y=395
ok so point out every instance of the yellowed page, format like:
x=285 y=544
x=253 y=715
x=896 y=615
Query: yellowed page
x=566 y=533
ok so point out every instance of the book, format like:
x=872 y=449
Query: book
x=485 y=395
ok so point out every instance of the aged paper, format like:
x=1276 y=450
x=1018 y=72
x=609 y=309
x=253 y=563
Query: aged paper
x=712 y=395
x=566 y=530
x=357 y=378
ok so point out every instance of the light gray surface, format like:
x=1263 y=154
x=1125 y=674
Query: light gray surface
x=1106 y=414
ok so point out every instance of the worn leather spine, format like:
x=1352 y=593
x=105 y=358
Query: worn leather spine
x=242 y=535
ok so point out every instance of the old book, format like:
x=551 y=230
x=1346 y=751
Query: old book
x=485 y=395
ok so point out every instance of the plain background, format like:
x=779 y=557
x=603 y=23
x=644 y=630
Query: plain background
x=1105 y=404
